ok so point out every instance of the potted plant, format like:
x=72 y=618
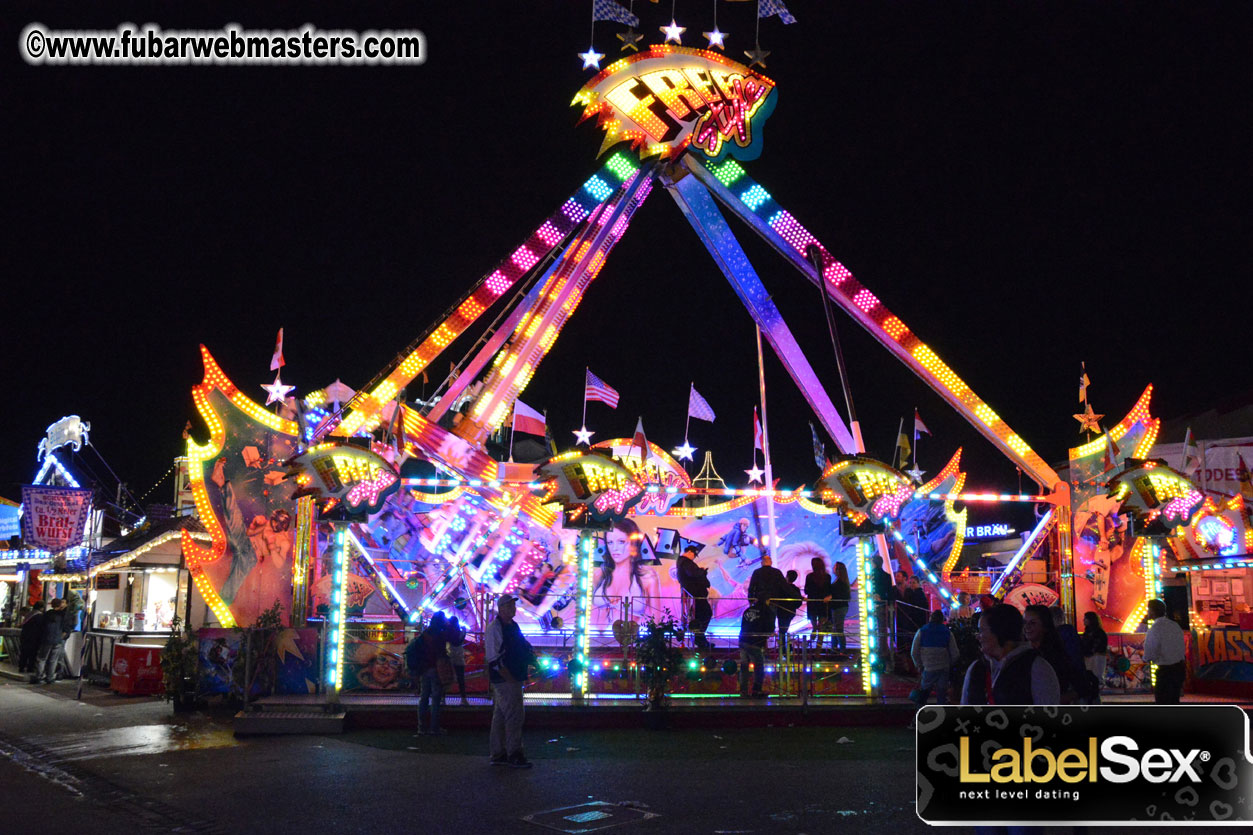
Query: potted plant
x=180 y=659
x=658 y=658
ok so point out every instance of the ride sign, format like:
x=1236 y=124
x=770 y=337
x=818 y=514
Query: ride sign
x=672 y=97
x=360 y=478
x=599 y=484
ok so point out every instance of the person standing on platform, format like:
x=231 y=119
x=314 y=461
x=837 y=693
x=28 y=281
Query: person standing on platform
x=818 y=599
x=756 y=625
x=694 y=581
x=767 y=583
x=934 y=651
x=1164 y=646
x=785 y=610
x=508 y=656
x=841 y=597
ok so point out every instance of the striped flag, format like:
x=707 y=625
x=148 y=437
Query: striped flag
x=757 y=434
x=638 y=440
x=609 y=10
x=919 y=426
x=526 y=419
x=769 y=8
x=1191 y=455
x=698 y=407
x=594 y=388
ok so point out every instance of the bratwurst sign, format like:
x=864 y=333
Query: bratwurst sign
x=54 y=518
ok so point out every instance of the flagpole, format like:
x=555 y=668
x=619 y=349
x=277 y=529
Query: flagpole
x=688 y=422
x=513 y=428
x=765 y=448
x=586 y=371
x=915 y=449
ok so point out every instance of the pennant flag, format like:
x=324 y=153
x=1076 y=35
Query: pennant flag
x=594 y=388
x=277 y=362
x=769 y=8
x=698 y=407
x=609 y=10
x=820 y=449
x=757 y=434
x=902 y=443
x=526 y=419
x=1191 y=455
x=1109 y=457
x=638 y=440
x=1083 y=386
x=919 y=426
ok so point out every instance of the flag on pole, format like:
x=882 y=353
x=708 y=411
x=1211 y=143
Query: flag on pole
x=820 y=449
x=1109 y=459
x=698 y=407
x=609 y=10
x=277 y=362
x=757 y=434
x=1083 y=384
x=638 y=440
x=769 y=8
x=526 y=419
x=902 y=443
x=919 y=426
x=594 y=388
x=1191 y=455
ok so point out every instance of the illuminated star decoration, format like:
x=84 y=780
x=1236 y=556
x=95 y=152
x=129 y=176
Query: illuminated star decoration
x=673 y=32
x=630 y=40
x=1089 y=421
x=916 y=473
x=755 y=474
x=583 y=435
x=591 y=58
x=277 y=391
x=716 y=38
x=684 y=453
x=758 y=55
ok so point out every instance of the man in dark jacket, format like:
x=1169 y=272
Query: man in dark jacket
x=694 y=581
x=767 y=584
x=32 y=637
x=786 y=608
x=756 y=625
x=52 y=642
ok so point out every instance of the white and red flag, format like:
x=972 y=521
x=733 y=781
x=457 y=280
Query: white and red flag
x=277 y=361
x=526 y=419
x=757 y=434
x=919 y=426
x=638 y=440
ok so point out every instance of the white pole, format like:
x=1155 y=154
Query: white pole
x=513 y=425
x=896 y=450
x=765 y=449
x=586 y=371
x=688 y=421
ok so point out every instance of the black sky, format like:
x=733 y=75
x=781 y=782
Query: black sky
x=1026 y=183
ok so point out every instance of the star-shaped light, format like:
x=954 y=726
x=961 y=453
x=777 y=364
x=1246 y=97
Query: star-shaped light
x=673 y=32
x=630 y=40
x=758 y=56
x=583 y=435
x=916 y=473
x=755 y=475
x=716 y=38
x=277 y=391
x=591 y=58
x=1089 y=421
x=684 y=453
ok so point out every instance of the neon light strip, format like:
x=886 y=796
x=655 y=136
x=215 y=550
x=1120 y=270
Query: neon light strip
x=582 y=639
x=300 y=561
x=982 y=497
x=389 y=591
x=541 y=242
x=866 y=624
x=337 y=616
x=921 y=565
x=731 y=185
x=1029 y=546
x=51 y=461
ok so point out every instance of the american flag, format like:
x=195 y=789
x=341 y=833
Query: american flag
x=609 y=10
x=594 y=388
x=698 y=407
x=768 y=8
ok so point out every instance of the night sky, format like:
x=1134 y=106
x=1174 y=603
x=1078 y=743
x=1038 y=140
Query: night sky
x=1027 y=184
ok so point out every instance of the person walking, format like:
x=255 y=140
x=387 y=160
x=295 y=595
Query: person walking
x=1164 y=646
x=31 y=638
x=508 y=656
x=818 y=600
x=694 y=581
x=841 y=595
x=1010 y=671
x=934 y=651
x=52 y=642
x=785 y=609
x=756 y=625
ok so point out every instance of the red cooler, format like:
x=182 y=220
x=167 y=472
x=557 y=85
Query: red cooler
x=136 y=669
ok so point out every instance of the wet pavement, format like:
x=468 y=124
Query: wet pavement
x=130 y=765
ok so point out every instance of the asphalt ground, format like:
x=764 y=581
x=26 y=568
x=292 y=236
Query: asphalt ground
x=113 y=764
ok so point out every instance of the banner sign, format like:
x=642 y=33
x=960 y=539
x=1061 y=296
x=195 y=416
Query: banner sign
x=1102 y=764
x=10 y=526
x=54 y=518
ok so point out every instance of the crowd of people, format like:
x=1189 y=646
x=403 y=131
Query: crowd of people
x=41 y=644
